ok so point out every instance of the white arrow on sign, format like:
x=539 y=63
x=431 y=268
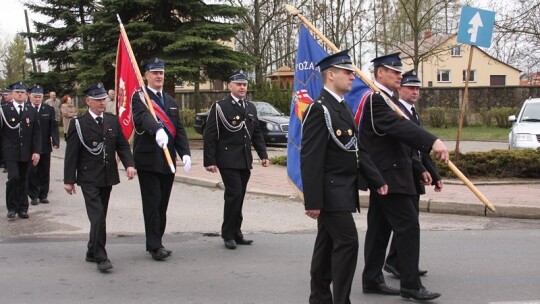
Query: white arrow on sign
x=475 y=23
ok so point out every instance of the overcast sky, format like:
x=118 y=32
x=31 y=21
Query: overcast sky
x=12 y=21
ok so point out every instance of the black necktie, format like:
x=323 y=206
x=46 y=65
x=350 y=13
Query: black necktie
x=99 y=120
x=20 y=110
x=414 y=116
x=241 y=103
x=37 y=108
x=160 y=97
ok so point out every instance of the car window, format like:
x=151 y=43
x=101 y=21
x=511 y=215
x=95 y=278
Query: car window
x=531 y=112
x=266 y=109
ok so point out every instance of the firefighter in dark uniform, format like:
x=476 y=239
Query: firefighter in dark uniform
x=330 y=160
x=425 y=171
x=6 y=97
x=389 y=139
x=39 y=176
x=21 y=144
x=156 y=177
x=231 y=129
x=93 y=140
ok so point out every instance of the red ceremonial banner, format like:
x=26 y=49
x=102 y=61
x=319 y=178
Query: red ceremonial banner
x=126 y=85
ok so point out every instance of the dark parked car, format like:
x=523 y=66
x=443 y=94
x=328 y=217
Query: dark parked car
x=273 y=124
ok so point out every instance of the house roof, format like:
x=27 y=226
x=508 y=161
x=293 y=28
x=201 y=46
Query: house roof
x=424 y=45
x=283 y=71
x=428 y=44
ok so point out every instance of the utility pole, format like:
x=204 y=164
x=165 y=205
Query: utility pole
x=34 y=69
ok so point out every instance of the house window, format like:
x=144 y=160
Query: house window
x=455 y=51
x=497 y=80
x=472 y=77
x=443 y=76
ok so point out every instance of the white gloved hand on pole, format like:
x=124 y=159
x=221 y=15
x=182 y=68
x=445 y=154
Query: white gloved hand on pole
x=186 y=159
x=161 y=138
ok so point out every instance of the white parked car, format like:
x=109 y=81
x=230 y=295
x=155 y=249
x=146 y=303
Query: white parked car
x=525 y=133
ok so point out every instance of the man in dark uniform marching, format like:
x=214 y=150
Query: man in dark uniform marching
x=425 y=171
x=39 y=176
x=231 y=128
x=331 y=159
x=93 y=140
x=389 y=139
x=21 y=144
x=6 y=97
x=155 y=175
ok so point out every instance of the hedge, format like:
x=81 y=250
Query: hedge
x=492 y=164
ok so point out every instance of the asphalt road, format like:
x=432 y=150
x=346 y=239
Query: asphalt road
x=470 y=259
x=466 y=266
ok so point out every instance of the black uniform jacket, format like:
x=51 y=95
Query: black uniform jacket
x=20 y=143
x=86 y=169
x=426 y=162
x=49 y=128
x=148 y=155
x=330 y=174
x=389 y=138
x=232 y=150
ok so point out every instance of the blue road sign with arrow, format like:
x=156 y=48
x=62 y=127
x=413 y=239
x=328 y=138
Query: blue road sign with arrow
x=476 y=26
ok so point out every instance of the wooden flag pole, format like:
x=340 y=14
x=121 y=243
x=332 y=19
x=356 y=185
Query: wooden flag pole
x=295 y=12
x=141 y=84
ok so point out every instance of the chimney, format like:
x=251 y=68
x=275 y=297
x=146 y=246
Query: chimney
x=427 y=34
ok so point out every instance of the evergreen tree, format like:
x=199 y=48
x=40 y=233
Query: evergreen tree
x=59 y=39
x=189 y=35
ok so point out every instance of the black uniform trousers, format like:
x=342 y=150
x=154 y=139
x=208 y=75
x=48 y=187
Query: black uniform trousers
x=39 y=178
x=16 y=192
x=393 y=212
x=392 y=258
x=235 y=182
x=96 y=200
x=155 y=192
x=336 y=245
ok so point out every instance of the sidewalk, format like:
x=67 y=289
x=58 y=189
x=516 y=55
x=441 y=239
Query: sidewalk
x=511 y=199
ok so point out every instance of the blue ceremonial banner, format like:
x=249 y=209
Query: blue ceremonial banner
x=307 y=86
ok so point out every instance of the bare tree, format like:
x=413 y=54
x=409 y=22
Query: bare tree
x=414 y=27
x=517 y=34
x=266 y=36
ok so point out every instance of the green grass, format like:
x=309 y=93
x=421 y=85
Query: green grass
x=191 y=134
x=471 y=133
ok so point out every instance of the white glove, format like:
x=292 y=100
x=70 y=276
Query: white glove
x=186 y=159
x=161 y=138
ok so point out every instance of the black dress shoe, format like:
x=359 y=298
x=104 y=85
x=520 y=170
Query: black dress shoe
x=421 y=294
x=230 y=244
x=44 y=201
x=159 y=254
x=104 y=265
x=11 y=214
x=381 y=289
x=89 y=257
x=392 y=269
x=34 y=201
x=23 y=214
x=243 y=242
x=169 y=252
